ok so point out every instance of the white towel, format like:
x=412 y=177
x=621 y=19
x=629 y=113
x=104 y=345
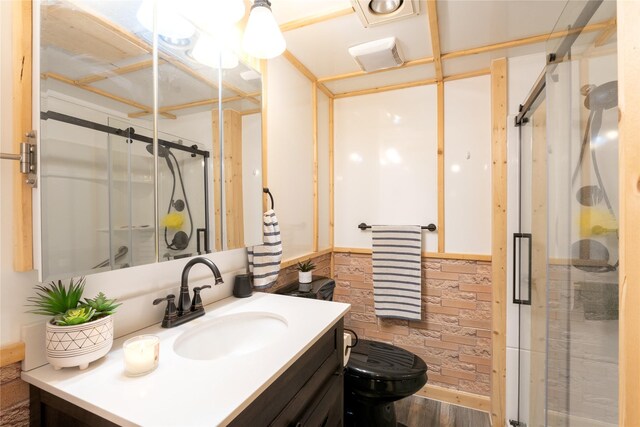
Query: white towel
x=264 y=260
x=397 y=271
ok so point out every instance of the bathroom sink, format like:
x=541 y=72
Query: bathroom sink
x=230 y=335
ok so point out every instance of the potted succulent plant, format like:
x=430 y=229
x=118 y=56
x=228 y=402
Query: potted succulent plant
x=79 y=332
x=305 y=270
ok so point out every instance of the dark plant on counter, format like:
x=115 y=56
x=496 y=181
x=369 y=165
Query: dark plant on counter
x=306 y=266
x=64 y=303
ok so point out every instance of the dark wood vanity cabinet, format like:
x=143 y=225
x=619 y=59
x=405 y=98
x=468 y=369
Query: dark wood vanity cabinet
x=309 y=393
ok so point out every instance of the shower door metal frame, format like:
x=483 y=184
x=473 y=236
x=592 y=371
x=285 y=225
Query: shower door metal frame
x=131 y=136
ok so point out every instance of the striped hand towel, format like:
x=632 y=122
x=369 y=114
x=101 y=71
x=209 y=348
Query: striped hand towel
x=396 y=271
x=264 y=260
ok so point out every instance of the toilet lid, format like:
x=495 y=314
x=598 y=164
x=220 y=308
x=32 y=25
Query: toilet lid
x=382 y=361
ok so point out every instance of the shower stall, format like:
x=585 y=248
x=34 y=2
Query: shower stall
x=565 y=245
x=98 y=192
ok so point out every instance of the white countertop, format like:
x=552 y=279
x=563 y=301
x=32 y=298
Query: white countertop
x=185 y=392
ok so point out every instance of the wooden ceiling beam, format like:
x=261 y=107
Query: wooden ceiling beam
x=385 y=88
x=314 y=19
x=525 y=41
x=126 y=101
x=605 y=26
x=432 y=15
x=467 y=75
x=412 y=63
x=604 y=37
x=161 y=56
x=200 y=103
x=115 y=72
x=306 y=72
x=476 y=73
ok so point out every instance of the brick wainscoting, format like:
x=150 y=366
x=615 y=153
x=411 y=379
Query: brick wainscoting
x=454 y=336
x=14 y=397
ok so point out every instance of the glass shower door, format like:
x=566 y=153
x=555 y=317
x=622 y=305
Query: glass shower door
x=529 y=268
x=583 y=243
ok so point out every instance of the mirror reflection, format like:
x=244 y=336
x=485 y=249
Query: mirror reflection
x=97 y=183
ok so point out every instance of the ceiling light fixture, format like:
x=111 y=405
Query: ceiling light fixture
x=384 y=7
x=262 y=36
x=210 y=15
x=211 y=52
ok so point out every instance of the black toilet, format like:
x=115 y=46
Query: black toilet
x=377 y=375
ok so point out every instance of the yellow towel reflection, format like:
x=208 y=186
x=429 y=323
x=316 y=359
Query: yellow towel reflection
x=596 y=221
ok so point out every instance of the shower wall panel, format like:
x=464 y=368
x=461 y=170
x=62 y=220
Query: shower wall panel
x=323 y=172
x=290 y=155
x=467 y=165
x=386 y=163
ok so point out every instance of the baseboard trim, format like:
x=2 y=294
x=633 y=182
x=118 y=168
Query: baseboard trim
x=11 y=353
x=455 y=397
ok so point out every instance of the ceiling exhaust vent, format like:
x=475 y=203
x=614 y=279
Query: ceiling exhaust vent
x=377 y=55
x=378 y=12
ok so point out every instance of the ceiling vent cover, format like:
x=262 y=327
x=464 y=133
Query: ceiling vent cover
x=366 y=11
x=377 y=54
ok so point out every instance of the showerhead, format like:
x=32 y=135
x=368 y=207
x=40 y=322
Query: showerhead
x=603 y=97
x=163 y=152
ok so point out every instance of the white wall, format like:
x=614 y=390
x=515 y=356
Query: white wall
x=290 y=150
x=323 y=172
x=385 y=163
x=467 y=165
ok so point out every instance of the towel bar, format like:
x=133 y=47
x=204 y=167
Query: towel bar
x=431 y=227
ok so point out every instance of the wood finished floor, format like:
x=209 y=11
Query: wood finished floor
x=416 y=411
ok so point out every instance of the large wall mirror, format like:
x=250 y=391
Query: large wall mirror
x=100 y=134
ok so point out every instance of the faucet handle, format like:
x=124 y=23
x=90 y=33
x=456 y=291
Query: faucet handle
x=171 y=312
x=196 y=304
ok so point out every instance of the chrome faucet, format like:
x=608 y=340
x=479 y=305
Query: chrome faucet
x=187 y=309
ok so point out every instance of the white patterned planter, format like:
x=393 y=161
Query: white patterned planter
x=78 y=345
x=304 y=276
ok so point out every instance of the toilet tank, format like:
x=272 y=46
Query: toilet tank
x=321 y=288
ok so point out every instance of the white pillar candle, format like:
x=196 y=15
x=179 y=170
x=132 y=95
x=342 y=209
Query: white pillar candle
x=141 y=354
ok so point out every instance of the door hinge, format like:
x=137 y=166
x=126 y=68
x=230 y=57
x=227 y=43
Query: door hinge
x=27 y=158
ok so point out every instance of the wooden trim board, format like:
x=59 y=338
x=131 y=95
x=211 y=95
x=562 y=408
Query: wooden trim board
x=11 y=353
x=314 y=19
x=412 y=63
x=629 y=164
x=306 y=72
x=314 y=136
x=264 y=128
x=499 y=240
x=525 y=41
x=432 y=16
x=293 y=261
x=455 y=397
x=440 y=167
x=460 y=76
x=385 y=88
x=467 y=257
x=331 y=174
x=22 y=121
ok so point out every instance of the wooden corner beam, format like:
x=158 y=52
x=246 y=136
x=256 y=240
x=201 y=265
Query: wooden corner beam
x=498 y=240
x=306 y=72
x=432 y=15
